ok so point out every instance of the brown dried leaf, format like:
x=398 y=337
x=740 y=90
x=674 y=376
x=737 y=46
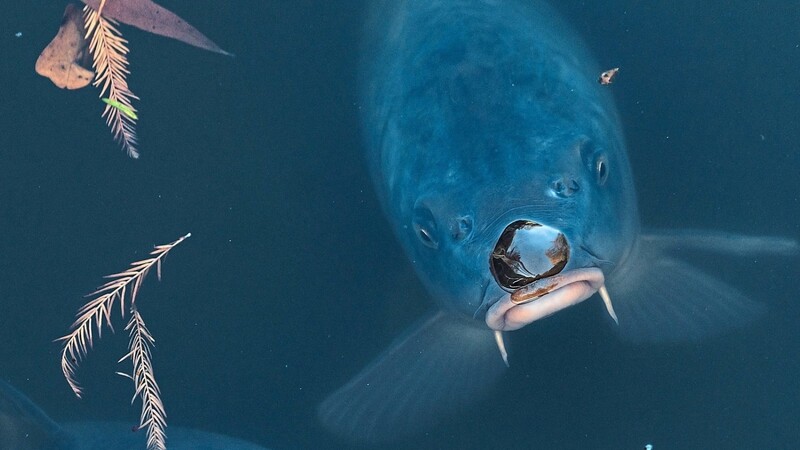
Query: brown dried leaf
x=62 y=60
x=148 y=16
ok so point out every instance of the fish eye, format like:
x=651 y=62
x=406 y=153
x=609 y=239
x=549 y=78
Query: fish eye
x=425 y=227
x=425 y=236
x=601 y=170
x=595 y=159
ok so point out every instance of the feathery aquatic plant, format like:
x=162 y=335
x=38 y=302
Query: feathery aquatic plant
x=109 y=50
x=96 y=313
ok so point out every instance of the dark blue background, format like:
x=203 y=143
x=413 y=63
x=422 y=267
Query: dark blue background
x=292 y=280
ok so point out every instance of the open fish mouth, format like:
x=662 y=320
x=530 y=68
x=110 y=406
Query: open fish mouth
x=527 y=252
x=528 y=262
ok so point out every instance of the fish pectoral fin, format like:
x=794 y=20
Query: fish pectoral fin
x=660 y=297
x=24 y=426
x=734 y=244
x=438 y=367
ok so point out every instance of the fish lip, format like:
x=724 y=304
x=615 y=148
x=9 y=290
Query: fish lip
x=543 y=298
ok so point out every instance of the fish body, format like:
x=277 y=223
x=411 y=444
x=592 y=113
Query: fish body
x=476 y=116
x=501 y=164
x=24 y=426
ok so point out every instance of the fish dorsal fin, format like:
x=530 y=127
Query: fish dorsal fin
x=438 y=367
x=23 y=426
x=659 y=296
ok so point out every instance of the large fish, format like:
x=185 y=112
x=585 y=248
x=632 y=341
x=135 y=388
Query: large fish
x=501 y=164
x=23 y=426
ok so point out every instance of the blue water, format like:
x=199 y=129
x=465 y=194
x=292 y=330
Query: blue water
x=292 y=280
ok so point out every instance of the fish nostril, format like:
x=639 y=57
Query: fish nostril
x=461 y=228
x=565 y=187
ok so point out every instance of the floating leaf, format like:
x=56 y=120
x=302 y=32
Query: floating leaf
x=150 y=17
x=64 y=59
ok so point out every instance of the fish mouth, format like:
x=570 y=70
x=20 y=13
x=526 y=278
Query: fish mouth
x=528 y=262
x=526 y=252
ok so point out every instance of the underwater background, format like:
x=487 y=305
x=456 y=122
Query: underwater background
x=292 y=280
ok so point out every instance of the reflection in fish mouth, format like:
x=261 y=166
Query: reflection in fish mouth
x=526 y=252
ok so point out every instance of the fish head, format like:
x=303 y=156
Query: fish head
x=514 y=239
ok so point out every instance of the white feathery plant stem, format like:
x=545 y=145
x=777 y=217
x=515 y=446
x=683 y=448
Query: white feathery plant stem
x=78 y=341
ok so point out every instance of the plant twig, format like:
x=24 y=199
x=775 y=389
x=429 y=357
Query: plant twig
x=153 y=416
x=97 y=311
x=110 y=63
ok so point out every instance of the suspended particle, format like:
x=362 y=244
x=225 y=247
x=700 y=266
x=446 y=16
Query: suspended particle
x=608 y=76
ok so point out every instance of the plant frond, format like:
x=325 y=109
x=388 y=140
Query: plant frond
x=110 y=63
x=97 y=311
x=153 y=416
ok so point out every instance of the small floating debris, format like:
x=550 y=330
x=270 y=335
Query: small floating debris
x=123 y=108
x=608 y=76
